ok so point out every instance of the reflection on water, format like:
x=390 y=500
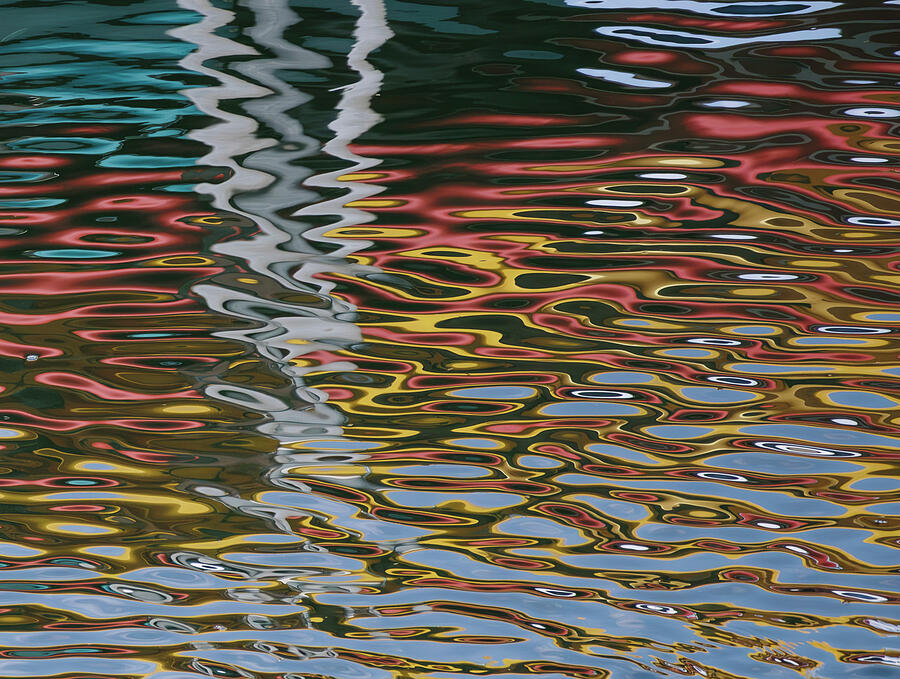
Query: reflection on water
x=391 y=339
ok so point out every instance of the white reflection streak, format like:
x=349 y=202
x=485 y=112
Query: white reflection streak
x=355 y=117
x=235 y=134
x=282 y=250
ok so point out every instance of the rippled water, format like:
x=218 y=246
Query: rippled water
x=380 y=339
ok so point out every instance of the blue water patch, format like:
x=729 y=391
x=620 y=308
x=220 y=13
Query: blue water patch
x=755 y=329
x=539 y=462
x=97 y=466
x=631 y=511
x=885 y=508
x=430 y=499
x=17 y=551
x=827 y=341
x=539 y=526
x=75 y=253
x=148 y=162
x=85 y=529
x=712 y=395
x=30 y=203
x=107 y=550
x=687 y=353
x=589 y=409
x=500 y=393
x=678 y=431
x=877 y=483
x=620 y=452
x=623 y=377
x=824 y=435
x=296 y=559
x=862 y=399
x=781 y=464
x=773 y=369
x=475 y=443
x=457 y=471
x=886 y=317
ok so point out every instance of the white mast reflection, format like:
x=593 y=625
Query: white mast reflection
x=263 y=186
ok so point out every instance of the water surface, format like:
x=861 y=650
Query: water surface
x=363 y=339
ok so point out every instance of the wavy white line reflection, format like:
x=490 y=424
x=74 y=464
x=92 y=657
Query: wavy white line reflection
x=262 y=189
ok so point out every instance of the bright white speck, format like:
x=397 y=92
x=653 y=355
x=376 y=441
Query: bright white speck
x=873 y=221
x=668 y=610
x=727 y=103
x=210 y=491
x=860 y=596
x=662 y=175
x=555 y=592
x=623 y=78
x=734 y=236
x=883 y=625
x=615 y=203
x=767 y=524
x=706 y=41
x=844 y=420
x=767 y=277
x=721 y=476
x=869 y=159
x=593 y=233
x=861 y=82
x=853 y=330
x=636 y=548
x=715 y=341
x=873 y=112
x=736 y=381
x=882 y=659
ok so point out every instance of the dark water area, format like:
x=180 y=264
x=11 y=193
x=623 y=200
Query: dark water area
x=381 y=339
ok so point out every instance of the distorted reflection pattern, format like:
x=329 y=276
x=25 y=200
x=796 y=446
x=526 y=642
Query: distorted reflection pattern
x=384 y=339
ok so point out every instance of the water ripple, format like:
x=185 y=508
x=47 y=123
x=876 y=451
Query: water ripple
x=395 y=339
